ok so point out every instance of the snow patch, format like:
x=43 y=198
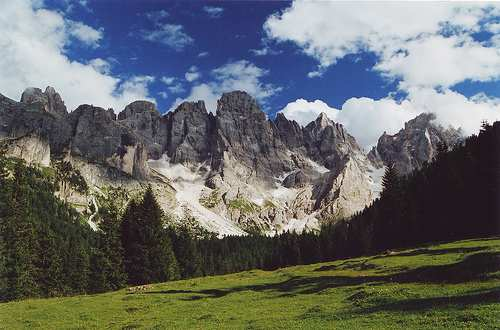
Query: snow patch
x=375 y=176
x=189 y=185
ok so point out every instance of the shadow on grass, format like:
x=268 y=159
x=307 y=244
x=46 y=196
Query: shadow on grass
x=365 y=265
x=484 y=297
x=473 y=267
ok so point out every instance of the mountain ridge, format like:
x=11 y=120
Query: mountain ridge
x=236 y=166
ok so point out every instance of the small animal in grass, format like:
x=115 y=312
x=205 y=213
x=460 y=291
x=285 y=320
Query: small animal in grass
x=139 y=288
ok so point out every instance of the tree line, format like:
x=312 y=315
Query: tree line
x=48 y=249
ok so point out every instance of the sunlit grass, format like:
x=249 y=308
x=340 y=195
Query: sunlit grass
x=448 y=286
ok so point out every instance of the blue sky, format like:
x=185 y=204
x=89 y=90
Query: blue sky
x=228 y=36
x=370 y=66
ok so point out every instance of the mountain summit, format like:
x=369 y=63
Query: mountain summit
x=234 y=172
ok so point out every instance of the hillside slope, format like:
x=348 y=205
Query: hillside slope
x=453 y=285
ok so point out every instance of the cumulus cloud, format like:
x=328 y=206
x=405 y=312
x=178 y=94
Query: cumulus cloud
x=407 y=37
x=84 y=33
x=427 y=47
x=192 y=74
x=366 y=119
x=100 y=65
x=171 y=35
x=33 y=43
x=213 y=12
x=173 y=84
x=442 y=61
x=237 y=75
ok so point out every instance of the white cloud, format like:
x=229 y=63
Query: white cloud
x=238 y=75
x=163 y=95
x=455 y=109
x=366 y=119
x=442 y=61
x=33 y=43
x=171 y=35
x=173 y=84
x=100 y=65
x=428 y=47
x=213 y=12
x=397 y=32
x=266 y=50
x=493 y=27
x=304 y=112
x=156 y=16
x=192 y=74
x=84 y=33
x=203 y=54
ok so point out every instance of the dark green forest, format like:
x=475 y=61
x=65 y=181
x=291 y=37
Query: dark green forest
x=48 y=249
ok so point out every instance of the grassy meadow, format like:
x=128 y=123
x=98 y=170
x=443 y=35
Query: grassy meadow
x=446 y=286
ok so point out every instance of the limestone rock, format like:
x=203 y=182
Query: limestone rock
x=49 y=100
x=190 y=133
x=415 y=144
x=100 y=139
x=32 y=148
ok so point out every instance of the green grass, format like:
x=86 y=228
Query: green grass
x=244 y=205
x=447 y=286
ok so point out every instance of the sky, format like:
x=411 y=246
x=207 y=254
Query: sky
x=370 y=66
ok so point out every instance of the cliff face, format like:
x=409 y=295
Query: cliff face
x=236 y=171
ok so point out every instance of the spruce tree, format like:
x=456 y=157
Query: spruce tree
x=110 y=247
x=148 y=252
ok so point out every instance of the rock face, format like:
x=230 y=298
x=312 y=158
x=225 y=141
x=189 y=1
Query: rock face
x=189 y=129
x=246 y=140
x=49 y=100
x=32 y=148
x=99 y=138
x=413 y=145
x=235 y=172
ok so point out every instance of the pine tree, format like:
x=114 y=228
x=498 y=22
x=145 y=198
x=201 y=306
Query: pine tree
x=163 y=263
x=386 y=227
x=110 y=248
x=147 y=247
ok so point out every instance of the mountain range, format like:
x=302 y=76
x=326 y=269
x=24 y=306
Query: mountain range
x=234 y=172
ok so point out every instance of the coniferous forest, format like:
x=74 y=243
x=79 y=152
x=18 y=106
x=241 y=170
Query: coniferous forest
x=48 y=249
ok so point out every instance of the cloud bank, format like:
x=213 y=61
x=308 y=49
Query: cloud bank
x=237 y=75
x=426 y=47
x=34 y=53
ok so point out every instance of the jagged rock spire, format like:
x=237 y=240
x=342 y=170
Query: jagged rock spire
x=49 y=100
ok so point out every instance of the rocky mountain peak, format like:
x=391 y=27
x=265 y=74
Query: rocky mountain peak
x=189 y=130
x=50 y=100
x=413 y=145
x=323 y=121
x=137 y=108
x=238 y=102
x=290 y=131
x=422 y=121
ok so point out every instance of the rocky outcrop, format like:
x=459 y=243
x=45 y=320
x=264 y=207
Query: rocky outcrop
x=190 y=133
x=32 y=148
x=416 y=143
x=144 y=120
x=50 y=101
x=246 y=140
x=235 y=171
x=99 y=138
